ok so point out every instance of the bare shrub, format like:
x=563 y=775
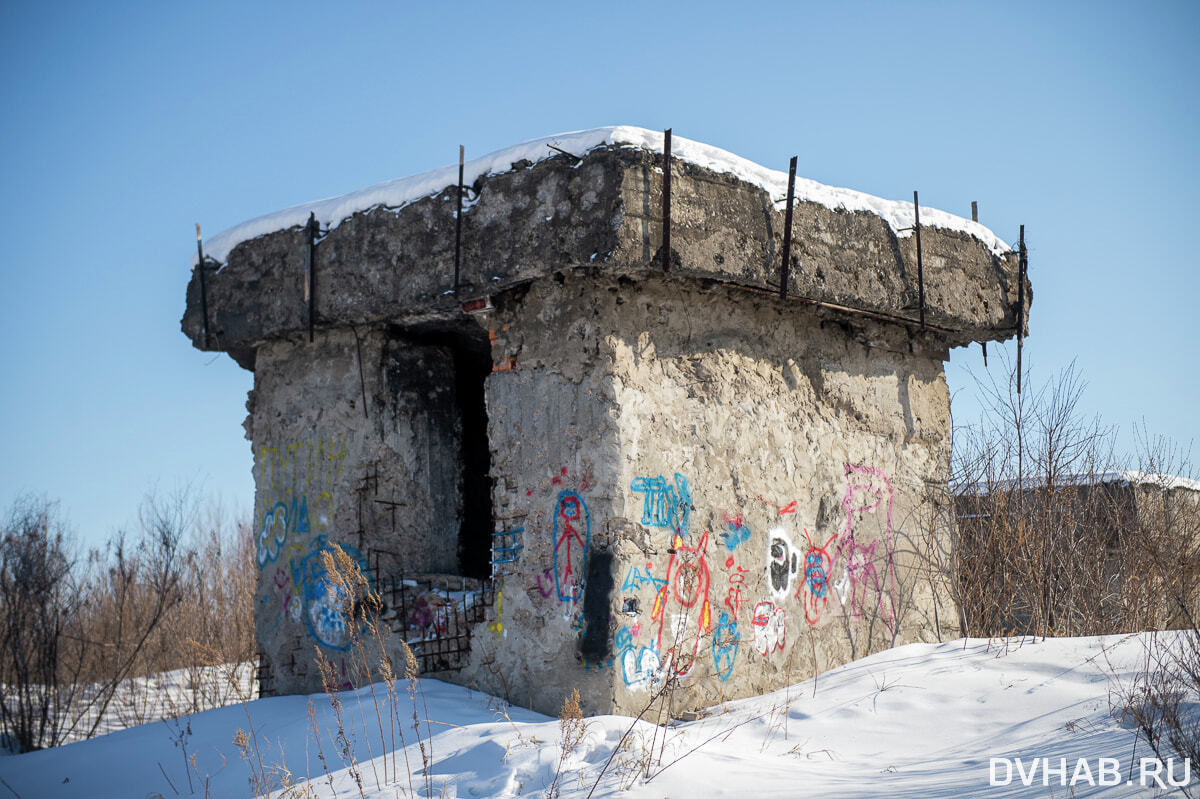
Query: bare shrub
x=39 y=602
x=1163 y=699
x=83 y=638
x=1050 y=538
x=572 y=730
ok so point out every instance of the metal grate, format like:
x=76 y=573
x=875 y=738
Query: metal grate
x=433 y=612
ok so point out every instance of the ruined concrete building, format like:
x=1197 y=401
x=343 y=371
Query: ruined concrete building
x=1087 y=553
x=592 y=463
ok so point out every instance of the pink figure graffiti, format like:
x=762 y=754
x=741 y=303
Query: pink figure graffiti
x=687 y=584
x=861 y=574
x=867 y=490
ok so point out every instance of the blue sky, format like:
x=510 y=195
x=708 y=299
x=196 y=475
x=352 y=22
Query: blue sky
x=124 y=124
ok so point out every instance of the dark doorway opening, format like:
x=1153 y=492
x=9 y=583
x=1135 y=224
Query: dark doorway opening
x=472 y=358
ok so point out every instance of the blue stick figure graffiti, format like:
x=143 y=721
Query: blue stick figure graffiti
x=725 y=646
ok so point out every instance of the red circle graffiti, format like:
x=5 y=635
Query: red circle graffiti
x=568 y=508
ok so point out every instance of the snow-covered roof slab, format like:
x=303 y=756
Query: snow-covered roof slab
x=397 y=193
x=592 y=200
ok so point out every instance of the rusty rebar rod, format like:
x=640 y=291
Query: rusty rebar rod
x=787 y=230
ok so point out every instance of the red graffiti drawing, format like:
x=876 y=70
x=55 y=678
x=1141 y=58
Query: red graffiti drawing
x=735 y=598
x=571 y=533
x=687 y=585
x=783 y=510
x=814 y=588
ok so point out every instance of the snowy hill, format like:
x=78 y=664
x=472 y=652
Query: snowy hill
x=916 y=721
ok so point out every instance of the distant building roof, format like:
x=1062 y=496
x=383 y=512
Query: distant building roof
x=1121 y=478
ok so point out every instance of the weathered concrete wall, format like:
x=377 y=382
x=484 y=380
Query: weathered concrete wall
x=387 y=480
x=552 y=426
x=752 y=478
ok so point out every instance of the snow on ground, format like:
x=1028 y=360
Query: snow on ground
x=145 y=699
x=917 y=721
x=397 y=193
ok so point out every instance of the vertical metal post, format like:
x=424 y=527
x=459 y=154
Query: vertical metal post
x=1022 y=266
x=975 y=218
x=920 y=264
x=362 y=384
x=1020 y=403
x=666 y=208
x=310 y=288
x=203 y=287
x=458 y=222
x=787 y=231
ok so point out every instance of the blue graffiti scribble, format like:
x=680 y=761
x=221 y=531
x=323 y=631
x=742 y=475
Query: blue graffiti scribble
x=665 y=505
x=725 y=646
x=738 y=533
x=507 y=546
x=815 y=575
x=324 y=599
x=276 y=524
x=637 y=577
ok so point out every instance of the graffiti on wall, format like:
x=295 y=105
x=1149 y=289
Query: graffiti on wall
x=736 y=597
x=725 y=646
x=640 y=665
x=665 y=504
x=506 y=547
x=852 y=567
x=637 y=578
x=770 y=628
x=497 y=626
x=814 y=589
x=868 y=494
x=545 y=583
x=571 y=535
x=686 y=589
x=737 y=533
x=783 y=563
x=326 y=598
x=297 y=482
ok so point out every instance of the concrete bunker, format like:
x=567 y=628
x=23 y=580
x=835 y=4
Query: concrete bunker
x=576 y=468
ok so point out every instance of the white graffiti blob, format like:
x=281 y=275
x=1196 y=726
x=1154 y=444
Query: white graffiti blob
x=770 y=628
x=640 y=665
